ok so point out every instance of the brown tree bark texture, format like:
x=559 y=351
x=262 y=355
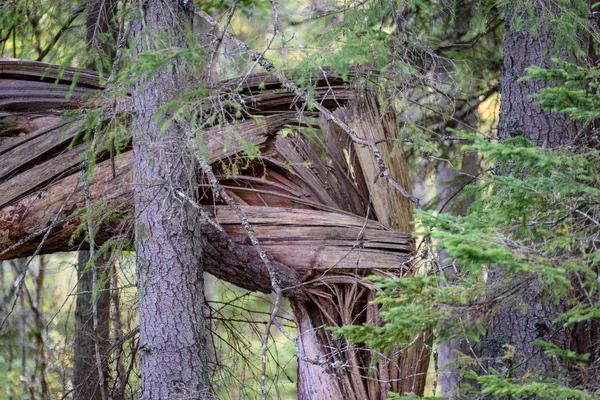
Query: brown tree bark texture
x=170 y=245
x=531 y=314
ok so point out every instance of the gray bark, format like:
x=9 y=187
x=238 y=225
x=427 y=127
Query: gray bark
x=85 y=371
x=529 y=315
x=518 y=115
x=315 y=382
x=173 y=342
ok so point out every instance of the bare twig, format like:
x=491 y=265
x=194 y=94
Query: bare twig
x=218 y=41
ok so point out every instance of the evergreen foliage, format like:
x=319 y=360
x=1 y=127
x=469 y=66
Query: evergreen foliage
x=536 y=211
x=535 y=215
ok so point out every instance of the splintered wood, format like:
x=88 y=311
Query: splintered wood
x=315 y=200
x=309 y=214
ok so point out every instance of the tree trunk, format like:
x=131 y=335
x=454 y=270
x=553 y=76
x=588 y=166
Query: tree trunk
x=449 y=183
x=9 y=343
x=316 y=377
x=26 y=385
x=518 y=115
x=120 y=381
x=85 y=370
x=530 y=315
x=38 y=317
x=168 y=234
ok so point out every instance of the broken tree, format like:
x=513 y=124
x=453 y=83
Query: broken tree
x=316 y=202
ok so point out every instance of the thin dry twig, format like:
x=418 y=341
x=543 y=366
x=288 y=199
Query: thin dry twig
x=219 y=190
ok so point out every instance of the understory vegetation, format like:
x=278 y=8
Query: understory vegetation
x=493 y=162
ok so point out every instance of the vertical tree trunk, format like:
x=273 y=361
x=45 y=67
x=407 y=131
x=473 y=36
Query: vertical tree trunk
x=18 y=266
x=315 y=381
x=38 y=314
x=173 y=339
x=9 y=342
x=85 y=371
x=518 y=115
x=449 y=183
x=115 y=299
x=531 y=314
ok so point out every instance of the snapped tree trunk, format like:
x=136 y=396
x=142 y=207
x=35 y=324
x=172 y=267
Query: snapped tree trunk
x=331 y=368
x=310 y=216
x=173 y=342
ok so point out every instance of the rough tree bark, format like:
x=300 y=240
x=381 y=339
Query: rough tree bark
x=530 y=315
x=173 y=342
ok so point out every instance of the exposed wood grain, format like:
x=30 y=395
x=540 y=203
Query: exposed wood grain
x=22 y=157
x=309 y=217
x=38 y=96
x=390 y=206
x=15 y=124
x=345 y=167
x=38 y=71
x=44 y=130
x=38 y=168
x=32 y=178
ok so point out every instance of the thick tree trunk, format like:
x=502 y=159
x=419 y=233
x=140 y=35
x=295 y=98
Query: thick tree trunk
x=173 y=336
x=530 y=315
x=85 y=369
x=518 y=115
